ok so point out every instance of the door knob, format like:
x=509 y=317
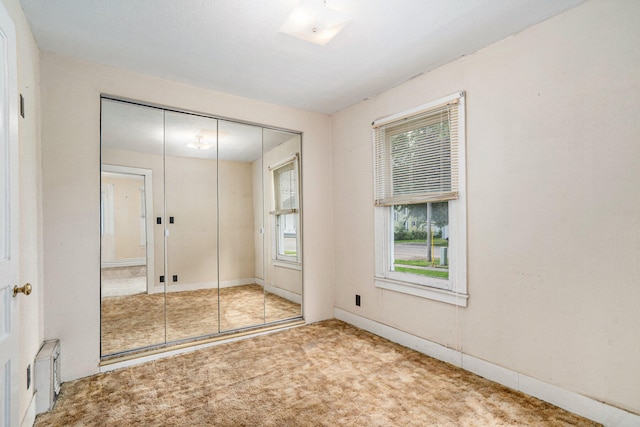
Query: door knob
x=26 y=289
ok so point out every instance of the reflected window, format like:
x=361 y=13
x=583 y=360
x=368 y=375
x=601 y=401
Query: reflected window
x=285 y=190
x=106 y=209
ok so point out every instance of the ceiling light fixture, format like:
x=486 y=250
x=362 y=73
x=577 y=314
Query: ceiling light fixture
x=199 y=145
x=314 y=22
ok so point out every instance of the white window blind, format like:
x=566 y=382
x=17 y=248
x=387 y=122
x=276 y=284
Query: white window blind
x=285 y=186
x=416 y=156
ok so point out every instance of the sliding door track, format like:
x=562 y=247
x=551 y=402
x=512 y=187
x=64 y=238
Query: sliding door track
x=198 y=343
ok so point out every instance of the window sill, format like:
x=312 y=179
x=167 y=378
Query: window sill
x=421 y=291
x=287 y=264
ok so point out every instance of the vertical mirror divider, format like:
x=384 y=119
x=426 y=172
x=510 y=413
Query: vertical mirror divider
x=164 y=219
x=300 y=225
x=219 y=304
x=262 y=226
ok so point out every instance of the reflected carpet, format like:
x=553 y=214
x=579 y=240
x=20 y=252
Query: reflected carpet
x=135 y=321
x=324 y=374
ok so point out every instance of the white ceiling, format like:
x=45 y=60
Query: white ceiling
x=234 y=46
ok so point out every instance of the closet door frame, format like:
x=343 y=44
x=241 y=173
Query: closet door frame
x=152 y=271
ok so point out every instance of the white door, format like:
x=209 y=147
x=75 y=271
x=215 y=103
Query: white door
x=9 y=305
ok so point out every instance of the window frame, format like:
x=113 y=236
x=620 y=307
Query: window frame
x=278 y=212
x=454 y=289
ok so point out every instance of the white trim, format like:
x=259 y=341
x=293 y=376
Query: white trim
x=11 y=360
x=280 y=163
x=423 y=291
x=458 y=207
x=180 y=287
x=9 y=156
x=107 y=211
x=293 y=265
x=143 y=217
x=283 y=293
x=565 y=399
x=123 y=262
x=419 y=109
x=29 y=418
x=237 y=282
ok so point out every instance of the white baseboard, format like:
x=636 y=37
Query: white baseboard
x=237 y=282
x=30 y=415
x=205 y=285
x=283 y=293
x=124 y=262
x=565 y=399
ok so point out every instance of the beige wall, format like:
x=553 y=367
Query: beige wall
x=237 y=236
x=30 y=328
x=71 y=185
x=126 y=218
x=192 y=199
x=553 y=166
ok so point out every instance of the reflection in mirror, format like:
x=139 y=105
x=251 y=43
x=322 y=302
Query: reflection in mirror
x=282 y=273
x=241 y=217
x=191 y=170
x=132 y=252
x=200 y=226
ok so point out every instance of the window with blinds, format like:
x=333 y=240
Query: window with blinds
x=286 y=215
x=285 y=187
x=416 y=156
x=420 y=201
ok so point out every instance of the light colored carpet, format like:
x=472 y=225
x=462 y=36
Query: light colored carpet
x=121 y=281
x=323 y=374
x=135 y=321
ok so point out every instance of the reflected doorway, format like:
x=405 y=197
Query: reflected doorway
x=126 y=243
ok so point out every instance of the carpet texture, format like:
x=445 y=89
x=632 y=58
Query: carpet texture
x=324 y=374
x=135 y=321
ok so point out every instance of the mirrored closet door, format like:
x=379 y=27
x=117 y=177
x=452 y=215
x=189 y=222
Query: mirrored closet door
x=200 y=226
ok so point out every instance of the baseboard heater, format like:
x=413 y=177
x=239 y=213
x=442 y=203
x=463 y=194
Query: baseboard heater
x=47 y=376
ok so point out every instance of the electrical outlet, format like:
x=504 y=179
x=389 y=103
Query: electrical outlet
x=358 y=300
x=28 y=376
